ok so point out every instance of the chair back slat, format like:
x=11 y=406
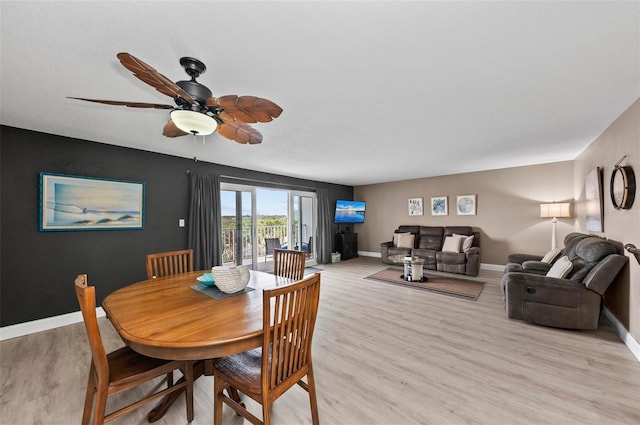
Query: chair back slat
x=169 y=263
x=289 y=263
x=87 y=299
x=290 y=322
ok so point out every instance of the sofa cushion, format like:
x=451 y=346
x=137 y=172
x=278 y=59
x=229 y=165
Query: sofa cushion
x=588 y=252
x=451 y=258
x=552 y=255
x=594 y=249
x=428 y=255
x=451 y=244
x=571 y=243
x=458 y=230
x=560 y=268
x=398 y=251
x=430 y=237
x=397 y=235
x=430 y=242
x=405 y=240
x=408 y=229
x=466 y=242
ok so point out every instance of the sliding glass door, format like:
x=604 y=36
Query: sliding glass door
x=251 y=215
x=302 y=214
x=238 y=226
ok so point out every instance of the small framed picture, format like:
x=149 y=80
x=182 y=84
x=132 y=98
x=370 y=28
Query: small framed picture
x=439 y=205
x=466 y=205
x=415 y=206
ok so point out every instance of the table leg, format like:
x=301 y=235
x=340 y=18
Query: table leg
x=198 y=370
x=166 y=402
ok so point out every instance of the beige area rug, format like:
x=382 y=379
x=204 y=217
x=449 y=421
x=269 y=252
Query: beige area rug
x=466 y=289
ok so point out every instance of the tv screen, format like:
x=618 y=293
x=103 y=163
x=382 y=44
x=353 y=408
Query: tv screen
x=350 y=211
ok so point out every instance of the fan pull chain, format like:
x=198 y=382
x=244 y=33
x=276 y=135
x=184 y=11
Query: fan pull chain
x=195 y=159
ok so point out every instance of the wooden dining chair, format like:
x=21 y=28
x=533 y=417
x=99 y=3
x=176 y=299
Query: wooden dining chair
x=169 y=263
x=289 y=316
x=270 y=244
x=289 y=263
x=122 y=369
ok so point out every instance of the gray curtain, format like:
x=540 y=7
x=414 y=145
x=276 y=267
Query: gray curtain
x=204 y=220
x=325 y=221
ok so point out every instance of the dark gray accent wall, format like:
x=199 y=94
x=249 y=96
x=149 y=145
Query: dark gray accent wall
x=37 y=269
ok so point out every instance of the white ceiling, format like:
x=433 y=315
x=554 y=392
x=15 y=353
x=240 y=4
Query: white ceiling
x=371 y=91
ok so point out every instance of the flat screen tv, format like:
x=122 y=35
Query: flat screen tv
x=350 y=211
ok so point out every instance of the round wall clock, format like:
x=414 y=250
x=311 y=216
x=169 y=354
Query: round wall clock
x=623 y=187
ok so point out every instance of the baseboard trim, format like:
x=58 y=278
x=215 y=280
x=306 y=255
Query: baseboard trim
x=26 y=328
x=622 y=332
x=492 y=267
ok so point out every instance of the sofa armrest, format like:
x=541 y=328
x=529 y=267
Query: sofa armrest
x=604 y=273
x=474 y=250
x=384 y=250
x=521 y=258
x=530 y=279
x=536 y=267
x=473 y=261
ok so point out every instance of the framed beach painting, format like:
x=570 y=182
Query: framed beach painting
x=439 y=205
x=466 y=204
x=87 y=203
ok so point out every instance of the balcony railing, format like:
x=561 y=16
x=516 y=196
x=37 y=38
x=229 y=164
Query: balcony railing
x=229 y=241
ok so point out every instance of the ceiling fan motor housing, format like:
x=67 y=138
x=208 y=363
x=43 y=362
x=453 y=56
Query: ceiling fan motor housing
x=196 y=90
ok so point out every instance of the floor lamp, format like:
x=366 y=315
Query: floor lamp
x=553 y=211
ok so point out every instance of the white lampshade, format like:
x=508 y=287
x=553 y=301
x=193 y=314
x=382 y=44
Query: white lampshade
x=194 y=122
x=554 y=210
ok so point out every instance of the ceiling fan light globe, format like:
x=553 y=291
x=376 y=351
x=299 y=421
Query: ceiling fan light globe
x=194 y=122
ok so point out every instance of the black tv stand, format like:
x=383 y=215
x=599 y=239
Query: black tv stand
x=347 y=245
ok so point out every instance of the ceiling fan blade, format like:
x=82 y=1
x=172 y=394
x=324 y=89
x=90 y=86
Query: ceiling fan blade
x=152 y=77
x=171 y=130
x=129 y=104
x=238 y=131
x=248 y=109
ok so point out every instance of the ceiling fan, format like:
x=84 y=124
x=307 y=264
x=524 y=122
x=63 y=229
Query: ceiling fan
x=196 y=111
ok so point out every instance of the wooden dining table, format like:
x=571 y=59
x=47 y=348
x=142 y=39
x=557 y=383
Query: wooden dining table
x=166 y=318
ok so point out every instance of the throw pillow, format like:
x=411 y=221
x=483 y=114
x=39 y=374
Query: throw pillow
x=405 y=240
x=551 y=255
x=396 y=236
x=451 y=244
x=466 y=241
x=560 y=268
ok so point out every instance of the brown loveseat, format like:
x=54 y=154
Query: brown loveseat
x=428 y=243
x=570 y=294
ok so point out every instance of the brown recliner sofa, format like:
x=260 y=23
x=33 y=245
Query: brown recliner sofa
x=535 y=263
x=574 y=301
x=428 y=244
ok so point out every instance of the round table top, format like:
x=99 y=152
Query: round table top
x=405 y=259
x=166 y=318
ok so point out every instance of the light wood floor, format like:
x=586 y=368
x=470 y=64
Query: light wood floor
x=383 y=354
